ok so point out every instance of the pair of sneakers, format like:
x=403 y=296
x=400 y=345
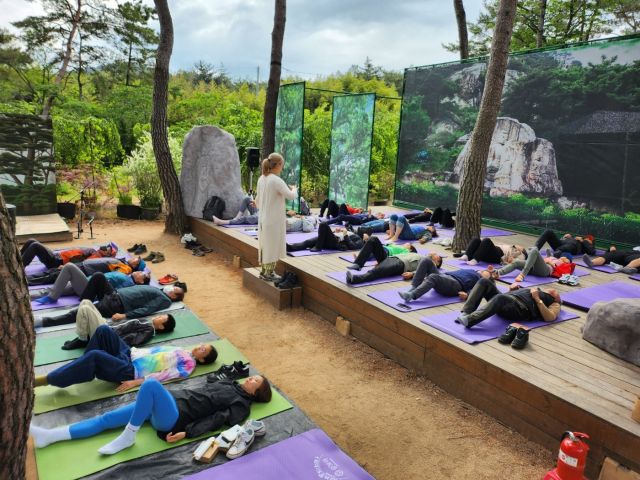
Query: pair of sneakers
x=516 y=336
x=288 y=280
x=234 y=371
x=571 y=280
x=250 y=430
x=137 y=249
x=154 y=257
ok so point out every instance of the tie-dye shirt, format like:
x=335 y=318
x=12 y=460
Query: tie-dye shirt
x=162 y=363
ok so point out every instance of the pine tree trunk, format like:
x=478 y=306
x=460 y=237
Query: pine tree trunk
x=463 y=35
x=543 y=11
x=469 y=208
x=271 y=102
x=174 y=221
x=17 y=346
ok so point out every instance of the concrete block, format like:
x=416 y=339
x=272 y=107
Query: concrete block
x=612 y=470
x=343 y=326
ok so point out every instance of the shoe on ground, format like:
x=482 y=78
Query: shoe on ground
x=188 y=237
x=168 y=279
x=140 y=250
x=290 y=282
x=196 y=251
x=259 y=428
x=285 y=275
x=508 y=336
x=241 y=445
x=521 y=339
x=564 y=278
x=354 y=266
x=134 y=248
x=204 y=249
x=573 y=281
x=407 y=296
x=75 y=343
x=181 y=285
x=159 y=257
x=234 y=371
x=458 y=255
x=151 y=256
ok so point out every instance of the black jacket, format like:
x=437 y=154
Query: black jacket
x=575 y=247
x=209 y=406
x=134 y=332
x=352 y=242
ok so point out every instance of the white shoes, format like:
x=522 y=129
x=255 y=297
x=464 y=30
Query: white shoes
x=188 y=237
x=242 y=443
x=443 y=241
x=259 y=428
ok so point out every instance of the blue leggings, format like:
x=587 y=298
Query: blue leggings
x=153 y=403
x=401 y=223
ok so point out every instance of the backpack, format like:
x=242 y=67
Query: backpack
x=213 y=208
x=304 y=207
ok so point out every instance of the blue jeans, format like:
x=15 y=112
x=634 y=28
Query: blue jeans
x=106 y=357
x=402 y=223
x=152 y=403
x=377 y=225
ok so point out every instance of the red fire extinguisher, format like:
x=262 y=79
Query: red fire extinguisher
x=572 y=457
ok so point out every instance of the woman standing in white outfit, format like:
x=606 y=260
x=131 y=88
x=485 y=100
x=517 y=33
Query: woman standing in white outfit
x=272 y=230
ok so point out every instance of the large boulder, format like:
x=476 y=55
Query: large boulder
x=210 y=166
x=615 y=328
x=518 y=162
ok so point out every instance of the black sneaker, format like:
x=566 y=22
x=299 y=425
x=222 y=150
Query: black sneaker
x=134 y=248
x=508 y=336
x=181 y=285
x=75 y=343
x=290 y=282
x=522 y=337
x=141 y=249
x=229 y=372
x=285 y=275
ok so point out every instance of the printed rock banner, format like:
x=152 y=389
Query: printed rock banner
x=351 y=135
x=289 y=128
x=27 y=171
x=566 y=148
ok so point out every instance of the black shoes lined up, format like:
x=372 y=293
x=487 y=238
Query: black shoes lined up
x=288 y=280
x=137 y=249
x=517 y=337
x=235 y=371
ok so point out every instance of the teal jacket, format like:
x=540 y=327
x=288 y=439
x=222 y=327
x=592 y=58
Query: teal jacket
x=142 y=300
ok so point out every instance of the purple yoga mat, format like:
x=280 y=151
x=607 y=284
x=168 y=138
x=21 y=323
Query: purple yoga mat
x=491 y=328
x=62 y=302
x=369 y=263
x=36 y=268
x=309 y=456
x=635 y=277
x=306 y=253
x=292 y=237
x=485 y=232
x=600 y=268
x=243 y=225
x=586 y=297
x=428 y=300
x=480 y=266
x=342 y=278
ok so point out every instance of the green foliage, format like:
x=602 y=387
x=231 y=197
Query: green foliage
x=89 y=140
x=128 y=107
x=288 y=137
x=316 y=151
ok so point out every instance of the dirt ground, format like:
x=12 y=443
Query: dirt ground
x=394 y=423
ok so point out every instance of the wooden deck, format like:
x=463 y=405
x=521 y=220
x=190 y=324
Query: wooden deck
x=559 y=382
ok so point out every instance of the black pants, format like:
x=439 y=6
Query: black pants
x=444 y=217
x=33 y=248
x=507 y=306
x=44 y=278
x=325 y=239
x=624 y=257
x=418 y=217
x=108 y=304
x=346 y=218
x=331 y=206
x=483 y=250
x=558 y=246
x=389 y=267
x=372 y=246
x=97 y=287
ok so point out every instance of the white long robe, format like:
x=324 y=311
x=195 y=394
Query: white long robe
x=272 y=228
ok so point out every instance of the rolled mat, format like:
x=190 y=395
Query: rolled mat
x=308 y=456
x=48 y=350
x=73 y=459
x=586 y=297
x=486 y=232
x=489 y=329
x=342 y=278
x=53 y=398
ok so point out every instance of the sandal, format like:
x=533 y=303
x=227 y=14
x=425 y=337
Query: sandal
x=170 y=278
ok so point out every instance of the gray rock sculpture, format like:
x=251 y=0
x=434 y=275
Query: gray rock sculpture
x=210 y=166
x=518 y=162
x=615 y=328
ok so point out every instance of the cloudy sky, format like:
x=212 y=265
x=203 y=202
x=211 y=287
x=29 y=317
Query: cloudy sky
x=321 y=36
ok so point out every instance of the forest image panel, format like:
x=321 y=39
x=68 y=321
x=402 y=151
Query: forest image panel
x=289 y=128
x=569 y=121
x=351 y=134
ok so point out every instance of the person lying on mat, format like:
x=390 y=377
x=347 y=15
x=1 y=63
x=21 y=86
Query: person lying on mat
x=108 y=358
x=356 y=218
x=340 y=239
x=538 y=266
x=457 y=283
x=90 y=267
x=624 y=261
x=486 y=251
x=133 y=302
x=373 y=248
x=50 y=259
x=177 y=414
x=73 y=281
x=399 y=229
x=377 y=225
x=573 y=245
x=132 y=332
x=442 y=216
x=247 y=205
x=518 y=304
x=333 y=210
x=299 y=223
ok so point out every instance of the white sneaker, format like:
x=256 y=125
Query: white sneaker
x=241 y=445
x=259 y=428
x=188 y=237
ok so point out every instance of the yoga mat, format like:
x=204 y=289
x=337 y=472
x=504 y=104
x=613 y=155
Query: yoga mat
x=53 y=398
x=485 y=232
x=428 y=300
x=635 y=277
x=306 y=253
x=586 y=297
x=77 y=458
x=309 y=456
x=342 y=278
x=480 y=266
x=491 y=328
x=62 y=302
x=531 y=281
x=48 y=350
x=253 y=233
x=369 y=263
x=600 y=268
x=35 y=268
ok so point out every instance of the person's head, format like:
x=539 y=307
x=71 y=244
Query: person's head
x=141 y=278
x=566 y=257
x=434 y=232
x=176 y=294
x=522 y=250
x=589 y=238
x=163 y=323
x=258 y=387
x=411 y=248
x=204 y=353
x=554 y=294
x=360 y=210
x=437 y=259
x=272 y=164
x=291 y=213
x=107 y=251
x=136 y=263
x=406 y=246
x=379 y=215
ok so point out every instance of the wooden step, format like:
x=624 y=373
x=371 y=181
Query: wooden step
x=279 y=298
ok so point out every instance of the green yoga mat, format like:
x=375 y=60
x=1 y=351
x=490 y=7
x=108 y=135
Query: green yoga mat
x=53 y=398
x=76 y=458
x=48 y=349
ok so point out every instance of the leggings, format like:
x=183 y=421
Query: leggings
x=443 y=217
x=332 y=207
x=534 y=264
x=418 y=217
x=70 y=274
x=153 y=403
x=246 y=205
x=483 y=251
x=403 y=224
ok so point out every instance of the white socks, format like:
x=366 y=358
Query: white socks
x=43 y=437
x=464 y=258
x=472 y=262
x=125 y=440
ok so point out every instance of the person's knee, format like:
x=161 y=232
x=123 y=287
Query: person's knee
x=393 y=217
x=103 y=330
x=149 y=384
x=373 y=239
x=485 y=283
